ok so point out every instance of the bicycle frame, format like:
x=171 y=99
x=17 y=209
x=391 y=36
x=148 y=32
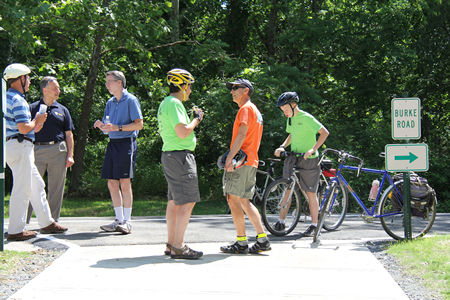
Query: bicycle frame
x=259 y=192
x=340 y=178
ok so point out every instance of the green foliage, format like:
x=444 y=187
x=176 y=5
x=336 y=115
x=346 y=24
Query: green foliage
x=346 y=59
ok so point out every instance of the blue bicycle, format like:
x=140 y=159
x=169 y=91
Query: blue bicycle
x=388 y=203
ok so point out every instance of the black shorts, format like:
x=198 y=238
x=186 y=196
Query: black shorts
x=120 y=159
x=307 y=170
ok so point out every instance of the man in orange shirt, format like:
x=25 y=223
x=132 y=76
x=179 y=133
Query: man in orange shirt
x=239 y=183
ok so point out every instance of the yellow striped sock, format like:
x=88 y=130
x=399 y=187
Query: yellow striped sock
x=242 y=238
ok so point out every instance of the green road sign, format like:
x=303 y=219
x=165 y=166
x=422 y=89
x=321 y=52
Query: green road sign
x=405 y=117
x=406 y=157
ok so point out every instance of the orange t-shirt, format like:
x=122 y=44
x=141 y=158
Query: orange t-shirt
x=250 y=116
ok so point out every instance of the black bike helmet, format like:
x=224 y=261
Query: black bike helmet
x=286 y=98
x=238 y=161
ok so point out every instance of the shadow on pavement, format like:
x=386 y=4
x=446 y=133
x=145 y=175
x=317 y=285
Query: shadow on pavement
x=134 y=262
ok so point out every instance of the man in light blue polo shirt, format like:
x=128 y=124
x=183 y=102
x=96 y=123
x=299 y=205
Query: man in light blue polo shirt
x=122 y=121
x=28 y=185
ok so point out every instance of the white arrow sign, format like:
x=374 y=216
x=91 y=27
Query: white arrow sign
x=406 y=157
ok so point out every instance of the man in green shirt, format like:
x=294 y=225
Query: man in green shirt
x=302 y=128
x=178 y=161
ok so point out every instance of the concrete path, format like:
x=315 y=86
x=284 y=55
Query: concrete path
x=292 y=270
x=100 y=265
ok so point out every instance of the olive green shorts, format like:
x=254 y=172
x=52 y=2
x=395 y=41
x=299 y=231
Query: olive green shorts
x=240 y=183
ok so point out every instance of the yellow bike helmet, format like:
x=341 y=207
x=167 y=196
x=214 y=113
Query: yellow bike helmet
x=178 y=77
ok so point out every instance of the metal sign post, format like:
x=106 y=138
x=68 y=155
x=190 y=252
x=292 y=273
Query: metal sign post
x=406 y=117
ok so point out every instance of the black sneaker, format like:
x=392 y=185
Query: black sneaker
x=309 y=231
x=279 y=226
x=260 y=247
x=235 y=249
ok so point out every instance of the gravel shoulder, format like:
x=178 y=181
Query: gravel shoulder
x=413 y=286
x=27 y=269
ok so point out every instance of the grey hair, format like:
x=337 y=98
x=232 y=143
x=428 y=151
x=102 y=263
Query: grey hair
x=118 y=75
x=45 y=81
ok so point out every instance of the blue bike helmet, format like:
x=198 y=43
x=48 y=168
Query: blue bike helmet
x=238 y=161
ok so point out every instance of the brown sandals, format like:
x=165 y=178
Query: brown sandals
x=185 y=253
x=168 y=246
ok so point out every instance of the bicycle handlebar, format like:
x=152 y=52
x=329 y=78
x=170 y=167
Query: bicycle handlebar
x=343 y=156
x=287 y=153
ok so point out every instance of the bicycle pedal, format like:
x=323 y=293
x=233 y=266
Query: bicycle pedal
x=367 y=219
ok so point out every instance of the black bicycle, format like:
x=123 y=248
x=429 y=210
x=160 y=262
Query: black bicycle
x=268 y=177
x=285 y=199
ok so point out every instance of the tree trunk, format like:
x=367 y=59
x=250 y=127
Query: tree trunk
x=175 y=20
x=272 y=29
x=83 y=126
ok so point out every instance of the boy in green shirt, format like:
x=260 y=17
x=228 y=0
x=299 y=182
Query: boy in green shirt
x=302 y=128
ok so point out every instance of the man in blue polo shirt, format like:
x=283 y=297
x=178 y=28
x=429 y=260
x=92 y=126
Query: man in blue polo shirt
x=122 y=121
x=53 y=145
x=27 y=183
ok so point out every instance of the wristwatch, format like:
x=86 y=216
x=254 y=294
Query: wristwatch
x=120 y=127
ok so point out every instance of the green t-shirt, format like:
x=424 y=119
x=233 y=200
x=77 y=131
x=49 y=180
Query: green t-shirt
x=170 y=113
x=303 y=130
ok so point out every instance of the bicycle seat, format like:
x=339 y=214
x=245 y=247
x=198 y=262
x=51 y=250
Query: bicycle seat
x=326 y=164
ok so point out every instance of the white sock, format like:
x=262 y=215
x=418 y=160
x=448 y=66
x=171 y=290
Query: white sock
x=314 y=224
x=127 y=213
x=281 y=221
x=119 y=213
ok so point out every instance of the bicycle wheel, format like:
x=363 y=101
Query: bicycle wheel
x=337 y=208
x=322 y=212
x=274 y=204
x=391 y=205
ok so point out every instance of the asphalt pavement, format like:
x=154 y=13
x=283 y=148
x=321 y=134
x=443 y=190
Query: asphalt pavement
x=100 y=265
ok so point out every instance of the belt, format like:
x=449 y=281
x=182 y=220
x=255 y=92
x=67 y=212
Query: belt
x=17 y=137
x=46 y=143
x=185 y=151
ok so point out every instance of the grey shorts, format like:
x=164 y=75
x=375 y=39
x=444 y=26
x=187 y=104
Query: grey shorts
x=307 y=171
x=240 y=183
x=180 y=170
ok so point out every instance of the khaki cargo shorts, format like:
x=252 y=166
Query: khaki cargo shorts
x=240 y=183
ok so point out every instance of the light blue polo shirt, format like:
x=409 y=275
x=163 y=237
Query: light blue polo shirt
x=17 y=111
x=123 y=112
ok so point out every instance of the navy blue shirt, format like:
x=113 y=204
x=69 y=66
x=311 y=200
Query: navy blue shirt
x=58 y=122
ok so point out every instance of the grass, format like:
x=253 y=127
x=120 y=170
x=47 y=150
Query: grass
x=429 y=259
x=87 y=207
x=9 y=260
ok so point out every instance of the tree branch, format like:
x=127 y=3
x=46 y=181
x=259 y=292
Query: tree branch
x=152 y=48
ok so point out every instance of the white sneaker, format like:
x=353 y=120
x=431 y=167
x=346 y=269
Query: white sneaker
x=110 y=227
x=125 y=227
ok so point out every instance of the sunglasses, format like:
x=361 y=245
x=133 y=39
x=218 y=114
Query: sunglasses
x=236 y=87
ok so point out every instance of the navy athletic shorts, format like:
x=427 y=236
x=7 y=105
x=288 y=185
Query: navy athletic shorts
x=120 y=159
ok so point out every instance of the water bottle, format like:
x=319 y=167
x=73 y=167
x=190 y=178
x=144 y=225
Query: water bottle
x=374 y=190
x=42 y=109
x=107 y=121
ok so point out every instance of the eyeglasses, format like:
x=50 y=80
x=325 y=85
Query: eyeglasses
x=236 y=87
x=110 y=81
